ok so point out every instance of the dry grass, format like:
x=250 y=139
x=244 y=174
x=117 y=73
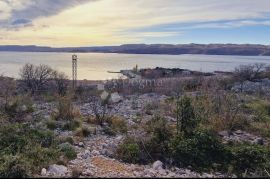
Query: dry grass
x=66 y=110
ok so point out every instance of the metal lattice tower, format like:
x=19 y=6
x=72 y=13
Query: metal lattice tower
x=74 y=70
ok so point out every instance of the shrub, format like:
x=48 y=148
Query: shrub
x=51 y=124
x=118 y=125
x=24 y=151
x=115 y=126
x=261 y=109
x=159 y=134
x=186 y=121
x=248 y=158
x=76 y=172
x=66 y=110
x=71 y=125
x=128 y=151
x=61 y=140
x=18 y=106
x=220 y=111
x=100 y=109
x=83 y=132
x=248 y=72
x=13 y=167
x=201 y=150
x=68 y=151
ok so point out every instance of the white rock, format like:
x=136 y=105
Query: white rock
x=57 y=170
x=170 y=175
x=224 y=133
x=104 y=95
x=81 y=144
x=136 y=174
x=119 y=137
x=115 y=98
x=157 y=165
x=23 y=108
x=87 y=173
x=95 y=152
x=43 y=172
x=162 y=172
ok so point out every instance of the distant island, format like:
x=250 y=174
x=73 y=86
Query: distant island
x=210 y=49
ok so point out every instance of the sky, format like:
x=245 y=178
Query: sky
x=69 y=23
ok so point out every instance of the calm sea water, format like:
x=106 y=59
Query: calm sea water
x=95 y=66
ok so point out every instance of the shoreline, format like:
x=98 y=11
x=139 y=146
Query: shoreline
x=123 y=53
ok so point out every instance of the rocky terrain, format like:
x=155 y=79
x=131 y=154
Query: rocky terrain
x=93 y=160
x=253 y=87
x=95 y=153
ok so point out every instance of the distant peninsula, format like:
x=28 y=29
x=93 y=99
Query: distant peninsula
x=209 y=49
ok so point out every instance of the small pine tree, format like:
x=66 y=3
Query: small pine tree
x=186 y=121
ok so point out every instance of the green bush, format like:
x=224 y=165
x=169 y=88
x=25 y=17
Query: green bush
x=18 y=106
x=13 y=167
x=159 y=135
x=61 y=140
x=51 y=124
x=25 y=151
x=68 y=151
x=261 y=109
x=128 y=151
x=249 y=158
x=201 y=150
x=71 y=125
x=186 y=120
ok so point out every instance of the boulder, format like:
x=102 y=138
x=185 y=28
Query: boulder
x=224 y=133
x=115 y=98
x=81 y=144
x=43 y=172
x=104 y=95
x=57 y=170
x=158 y=165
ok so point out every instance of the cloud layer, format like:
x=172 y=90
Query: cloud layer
x=106 y=22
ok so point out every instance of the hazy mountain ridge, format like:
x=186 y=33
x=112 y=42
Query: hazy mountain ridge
x=211 y=49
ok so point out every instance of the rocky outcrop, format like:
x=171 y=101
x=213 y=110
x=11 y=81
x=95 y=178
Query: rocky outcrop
x=94 y=160
x=262 y=86
x=242 y=136
x=56 y=171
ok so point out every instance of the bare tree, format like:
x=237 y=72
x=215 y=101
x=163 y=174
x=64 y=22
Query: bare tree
x=35 y=77
x=100 y=110
x=61 y=82
x=42 y=74
x=258 y=69
x=248 y=72
x=27 y=76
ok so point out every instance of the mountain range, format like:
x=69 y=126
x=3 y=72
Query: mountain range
x=210 y=49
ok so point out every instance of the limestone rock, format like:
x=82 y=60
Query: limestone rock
x=57 y=170
x=157 y=165
x=81 y=144
x=43 y=172
x=115 y=98
x=104 y=95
